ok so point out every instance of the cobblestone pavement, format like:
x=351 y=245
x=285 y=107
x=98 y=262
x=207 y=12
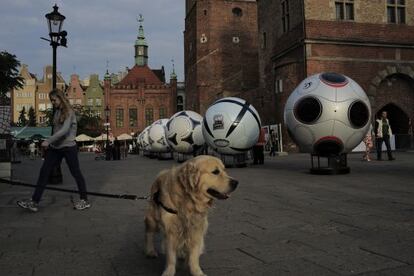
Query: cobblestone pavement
x=280 y=221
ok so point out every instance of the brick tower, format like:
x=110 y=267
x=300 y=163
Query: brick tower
x=221 y=54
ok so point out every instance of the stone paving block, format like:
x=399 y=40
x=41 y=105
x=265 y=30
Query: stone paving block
x=405 y=270
x=227 y=259
x=353 y=261
x=298 y=266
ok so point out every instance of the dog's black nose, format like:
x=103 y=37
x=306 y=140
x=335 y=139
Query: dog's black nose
x=234 y=183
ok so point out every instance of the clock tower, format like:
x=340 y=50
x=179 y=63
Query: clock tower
x=141 y=47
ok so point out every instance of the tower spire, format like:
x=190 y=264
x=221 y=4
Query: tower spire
x=141 y=47
x=173 y=76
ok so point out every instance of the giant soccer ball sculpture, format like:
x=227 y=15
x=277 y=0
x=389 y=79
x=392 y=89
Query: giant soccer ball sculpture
x=156 y=137
x=328 y=115
x=184 y=132
x=144 y=141
x=231 y=126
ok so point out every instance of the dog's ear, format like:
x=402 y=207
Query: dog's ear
x=189 y=175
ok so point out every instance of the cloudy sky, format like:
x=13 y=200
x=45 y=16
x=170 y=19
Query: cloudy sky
x=98 y=30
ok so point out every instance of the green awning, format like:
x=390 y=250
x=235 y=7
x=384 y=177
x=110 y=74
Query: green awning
x=31 y=133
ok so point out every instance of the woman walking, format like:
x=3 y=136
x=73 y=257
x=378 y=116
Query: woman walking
x=60 y=145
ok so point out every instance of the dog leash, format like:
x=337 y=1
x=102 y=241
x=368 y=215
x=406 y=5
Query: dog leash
x=119 y=196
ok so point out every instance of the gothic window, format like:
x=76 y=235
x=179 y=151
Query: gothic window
x=119 y=117
x=163 y=112
x=344 y=9
x=133 y=117
x=264 y=40
x=278 y=86
x=180 y=103
x=149 y=116
x=237 y=11
x=98 y=102
x=396 y=11
x=285 y=15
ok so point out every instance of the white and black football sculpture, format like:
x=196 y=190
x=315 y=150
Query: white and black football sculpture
x=156 y=137
x=184 y=131
x=231 y=126
x=327 y=114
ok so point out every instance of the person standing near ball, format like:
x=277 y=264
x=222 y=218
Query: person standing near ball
x=383 y=133
x=60 y=145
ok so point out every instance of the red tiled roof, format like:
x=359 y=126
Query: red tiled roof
x=139 y=74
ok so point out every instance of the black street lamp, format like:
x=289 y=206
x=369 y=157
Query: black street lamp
x=57 y=36
x=107 y=149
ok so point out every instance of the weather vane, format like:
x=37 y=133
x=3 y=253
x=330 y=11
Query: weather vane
x=140 y=19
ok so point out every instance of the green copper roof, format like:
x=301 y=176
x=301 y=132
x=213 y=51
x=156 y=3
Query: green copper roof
x=141 y=37
x=173 y=76
x=107 y=76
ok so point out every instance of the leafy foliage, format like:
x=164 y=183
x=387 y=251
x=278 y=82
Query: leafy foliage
x=22 y=117
x=88 y=122
x=48 y=113
x=32 y=117
x=9 y=76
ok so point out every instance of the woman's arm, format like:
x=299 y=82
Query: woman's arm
x=63 y=130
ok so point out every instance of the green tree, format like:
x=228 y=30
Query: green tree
x=9 y=76
x=22 y=117
x=32 y=117
x=88 y=122
x=49 y=116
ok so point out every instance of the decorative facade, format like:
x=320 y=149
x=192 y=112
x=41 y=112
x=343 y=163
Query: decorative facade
x=26 y=96
x=44 y=86
x=75 y=92
x=94 y=96
x=142 y=96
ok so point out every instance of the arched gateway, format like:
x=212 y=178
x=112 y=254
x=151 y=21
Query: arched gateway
x=392 y=90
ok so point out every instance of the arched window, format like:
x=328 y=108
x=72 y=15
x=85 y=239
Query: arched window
x=237 y=12
x=119 y=117
x=180 y=103
x=163 y=112
x=133 y=116
x=149 y=115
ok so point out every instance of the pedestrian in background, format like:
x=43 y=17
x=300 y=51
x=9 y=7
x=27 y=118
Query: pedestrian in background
x=383 y=133
x=273 y=143
x=60 y=145
x=117 y=149
x=32 y=149
x=368 y=144
x=258 y=149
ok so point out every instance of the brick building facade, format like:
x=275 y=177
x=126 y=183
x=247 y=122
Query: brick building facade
x=372 y=42
x=221 y=53
x=142 y=96
x=75 y=93
x=24 y=97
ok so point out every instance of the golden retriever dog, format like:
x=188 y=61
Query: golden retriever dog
x=181 y=198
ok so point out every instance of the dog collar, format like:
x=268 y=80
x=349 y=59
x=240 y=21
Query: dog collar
x=156 y=198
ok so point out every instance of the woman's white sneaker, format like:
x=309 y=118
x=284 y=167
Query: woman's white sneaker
x=81 y=204
x=28 y=204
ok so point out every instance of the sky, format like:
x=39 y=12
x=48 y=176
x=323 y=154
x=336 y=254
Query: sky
x=98 y=31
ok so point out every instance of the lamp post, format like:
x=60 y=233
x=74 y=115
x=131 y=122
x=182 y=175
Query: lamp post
x=57 y=38
x=107 y=150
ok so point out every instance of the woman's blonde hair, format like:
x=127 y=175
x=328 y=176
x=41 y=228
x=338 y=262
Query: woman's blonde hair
x=65 y=105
